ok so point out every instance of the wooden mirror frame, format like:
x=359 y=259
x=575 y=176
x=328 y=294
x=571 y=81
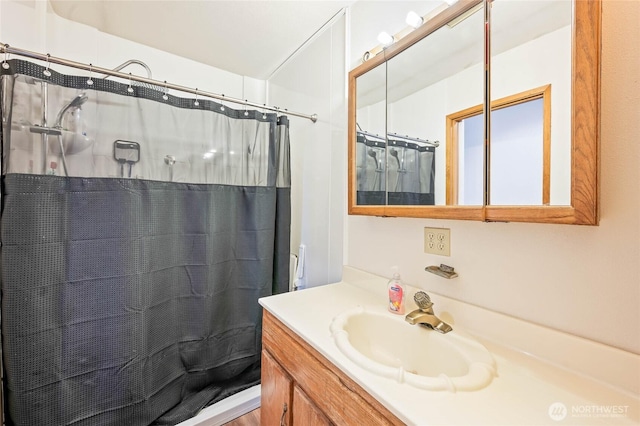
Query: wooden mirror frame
x=585 y=130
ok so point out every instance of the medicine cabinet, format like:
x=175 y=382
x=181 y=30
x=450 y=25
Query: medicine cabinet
x=488 y=111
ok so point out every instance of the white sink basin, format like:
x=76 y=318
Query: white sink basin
x=384 y=344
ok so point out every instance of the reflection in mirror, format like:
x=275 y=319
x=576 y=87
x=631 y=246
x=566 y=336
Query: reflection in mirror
x=371 y=155
x=410 y=171
x=520 y=139
x=520 y=129
x=465 y=159
x=530 y=143
x=438 y=75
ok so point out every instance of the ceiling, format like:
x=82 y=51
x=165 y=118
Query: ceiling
x=246 y=37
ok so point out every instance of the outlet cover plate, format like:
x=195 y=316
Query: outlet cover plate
x=437 y=241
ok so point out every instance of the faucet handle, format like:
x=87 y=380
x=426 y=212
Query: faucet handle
x=423 y=300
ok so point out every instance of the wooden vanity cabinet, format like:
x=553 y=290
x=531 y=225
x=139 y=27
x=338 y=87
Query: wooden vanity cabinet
x=314 y=390
x=306 y=413
x=275 y=396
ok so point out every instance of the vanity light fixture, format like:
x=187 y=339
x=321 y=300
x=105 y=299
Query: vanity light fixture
x=414 y=20
x=386 y=39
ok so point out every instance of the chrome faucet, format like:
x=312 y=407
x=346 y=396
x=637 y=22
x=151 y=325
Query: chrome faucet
x=424 y=314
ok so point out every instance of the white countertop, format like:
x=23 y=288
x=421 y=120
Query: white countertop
x=530 y=358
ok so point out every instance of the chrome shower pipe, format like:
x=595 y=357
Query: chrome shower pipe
x=133 y=61
x=45 y=112
x=90 y=67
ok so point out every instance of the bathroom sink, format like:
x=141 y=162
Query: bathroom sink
x=384 y=344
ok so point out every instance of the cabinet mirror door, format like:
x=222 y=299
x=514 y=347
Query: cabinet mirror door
x=371 y=152
x=439 y=76
x=530 y=144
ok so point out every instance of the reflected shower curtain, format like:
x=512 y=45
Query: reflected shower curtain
x=138 y=231
x=394 y=172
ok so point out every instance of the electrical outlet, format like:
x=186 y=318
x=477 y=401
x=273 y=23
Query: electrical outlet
x=437 y=241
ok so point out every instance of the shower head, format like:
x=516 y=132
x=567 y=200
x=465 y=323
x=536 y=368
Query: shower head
x=74 y=103
x=373 y=154
x=394 y=153
x=78 y=100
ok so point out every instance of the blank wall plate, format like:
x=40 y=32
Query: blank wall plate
x=437 y=241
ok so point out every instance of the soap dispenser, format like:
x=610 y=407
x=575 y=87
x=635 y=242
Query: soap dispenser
x=396 y=292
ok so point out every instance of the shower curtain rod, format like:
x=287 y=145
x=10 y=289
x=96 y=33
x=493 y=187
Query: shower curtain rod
x=396 y=136
x=5 y=48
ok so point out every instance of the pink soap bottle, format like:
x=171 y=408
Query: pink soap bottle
x=396 y=294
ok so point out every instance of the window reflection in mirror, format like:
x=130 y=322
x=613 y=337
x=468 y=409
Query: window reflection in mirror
x=469 y=164
x=520 y=151
x=371 y=153
x=531 y=47
x=438 y=75
x=518 y=166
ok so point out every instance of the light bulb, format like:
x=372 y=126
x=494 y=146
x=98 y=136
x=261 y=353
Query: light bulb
x=414 y=20
x=385 y=39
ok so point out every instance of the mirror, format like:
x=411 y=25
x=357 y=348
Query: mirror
x=532 y=159
x=438 y=75
x=371 y=153
x=531 y=114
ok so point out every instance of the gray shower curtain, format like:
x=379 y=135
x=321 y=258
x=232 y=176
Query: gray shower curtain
x=391 y=171
x=130 y=282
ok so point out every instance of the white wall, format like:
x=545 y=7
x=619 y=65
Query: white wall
x=30 y=26
x=313 y=81
x=582 y=280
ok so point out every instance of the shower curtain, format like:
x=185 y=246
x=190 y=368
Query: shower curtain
x=393 y=171
x=130 y=282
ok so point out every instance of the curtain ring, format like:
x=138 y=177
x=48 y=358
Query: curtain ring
x=221 y=105
x=130 y=88
x=5 y=64
x=166 y=92
x=196 y=103
x=246 y=112
x=90 y=81
x=264 y=113
x=47 y=72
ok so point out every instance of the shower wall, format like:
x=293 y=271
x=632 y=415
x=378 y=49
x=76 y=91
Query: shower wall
x=314 y=80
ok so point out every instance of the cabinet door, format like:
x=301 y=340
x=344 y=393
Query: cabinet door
x=305 y=413
x=276 y=388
